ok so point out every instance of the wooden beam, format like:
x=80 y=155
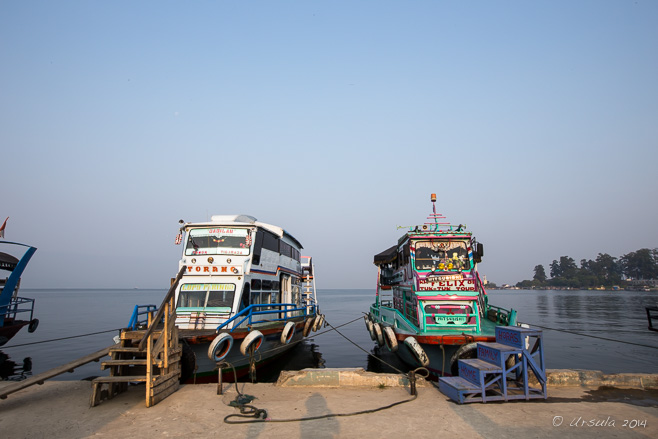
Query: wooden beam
x=40 y=378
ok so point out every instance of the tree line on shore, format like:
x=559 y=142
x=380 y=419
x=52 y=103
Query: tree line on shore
x=604 y=271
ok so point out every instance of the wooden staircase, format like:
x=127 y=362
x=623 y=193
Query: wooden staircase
x=502 y=371
x=151 y=355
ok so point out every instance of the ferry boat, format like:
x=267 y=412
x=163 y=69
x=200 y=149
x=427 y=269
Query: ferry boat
x=431 y=307
x=246 y=296
x=15 y=312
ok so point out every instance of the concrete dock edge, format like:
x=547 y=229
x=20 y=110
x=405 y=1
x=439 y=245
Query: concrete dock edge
x=358 y=377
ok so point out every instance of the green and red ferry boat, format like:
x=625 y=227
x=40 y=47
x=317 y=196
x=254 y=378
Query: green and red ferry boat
x=431 y=307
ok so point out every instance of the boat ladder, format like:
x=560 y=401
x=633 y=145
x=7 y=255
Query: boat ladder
x=151 y=355
x=308 y=280
x=511 y=368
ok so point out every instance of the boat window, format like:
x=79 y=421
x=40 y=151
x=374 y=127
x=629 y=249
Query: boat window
x=218 y=241
x=255 y=284
x=450 y=313
x=206 y=296
x=267 y=285
x=270 y=241
x=442 y=255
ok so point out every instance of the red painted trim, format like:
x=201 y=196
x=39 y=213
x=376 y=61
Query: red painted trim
x=448 y=339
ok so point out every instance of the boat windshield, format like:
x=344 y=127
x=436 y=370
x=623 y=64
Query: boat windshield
x=218 y=241
x=442 y=255
x=206 y=296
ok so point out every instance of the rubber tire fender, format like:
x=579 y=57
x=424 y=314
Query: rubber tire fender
x=319 y=321
x=220 y=347
x=417 y=351
x=34 y=324
x=377 y=329
x=371 y=330
x=187 y=363
x=254 y=338
x=465 y=351
x=308 y=326
x=390 y=340
x=287 y=333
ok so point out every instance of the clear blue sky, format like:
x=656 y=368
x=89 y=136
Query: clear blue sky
x=535 y=122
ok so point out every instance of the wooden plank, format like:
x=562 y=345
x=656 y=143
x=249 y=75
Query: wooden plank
x=40 y=378
x=162 y=378
x=120 y=379
x=162 y=395
x=127 y=362
x=163 y=386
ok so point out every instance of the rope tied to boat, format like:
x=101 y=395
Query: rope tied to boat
x=260 y=415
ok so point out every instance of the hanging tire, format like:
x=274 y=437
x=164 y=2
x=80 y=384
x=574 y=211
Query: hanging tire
x=287 y=333
x=319 y=321
x=371 y=330
x=220 y=347
x=377 y=329
x=417 y=351
x=308 y=326
x=390 y=340
x=187 y=363
x=34 y=324
x=254 y=338
x=465 y=351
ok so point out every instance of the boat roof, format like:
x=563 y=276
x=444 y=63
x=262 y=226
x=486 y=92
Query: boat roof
x=8 y=262
x=243 y=220
x=387 y=256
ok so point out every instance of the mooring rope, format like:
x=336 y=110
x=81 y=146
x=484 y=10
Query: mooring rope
x=591 y=336
x=62 y=338
x=249 y=411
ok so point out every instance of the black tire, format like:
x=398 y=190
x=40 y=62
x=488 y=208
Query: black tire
x=465 y=351
x=187 y=363
x=34 y=324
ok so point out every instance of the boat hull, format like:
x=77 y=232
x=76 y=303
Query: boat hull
x=201 y=369
x=10 y=329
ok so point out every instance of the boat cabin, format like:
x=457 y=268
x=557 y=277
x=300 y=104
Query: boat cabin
x=232 y=262
x=431 y=280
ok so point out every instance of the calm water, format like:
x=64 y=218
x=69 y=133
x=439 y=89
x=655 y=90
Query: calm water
x=615 y=315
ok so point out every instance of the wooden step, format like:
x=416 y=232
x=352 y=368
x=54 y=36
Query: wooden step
x=496 y=353
x=120 y=379
x=126 y=362
x=476 y=370
x=131 y=349
x=459 y=390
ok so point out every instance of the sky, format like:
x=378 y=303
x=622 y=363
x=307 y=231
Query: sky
x=535 y=123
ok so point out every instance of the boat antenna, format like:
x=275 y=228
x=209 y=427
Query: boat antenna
x=436 y=216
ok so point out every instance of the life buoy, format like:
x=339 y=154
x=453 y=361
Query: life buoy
x=389 y=339
x=378 y=333
x=34 y=324
x=308 y=326
x=254 y=338
x=220 y=347
x=469 y=350
x=319 y=321
x=287 y=333
x=417 y=351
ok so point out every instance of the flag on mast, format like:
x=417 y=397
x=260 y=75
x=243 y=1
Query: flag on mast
x=2 y=229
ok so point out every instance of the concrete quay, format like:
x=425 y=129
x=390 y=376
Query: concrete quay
x=579 y=405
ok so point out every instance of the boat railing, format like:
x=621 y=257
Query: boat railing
x=501 y=316
x=139 y=318
x=259 y=309
x=18 y=305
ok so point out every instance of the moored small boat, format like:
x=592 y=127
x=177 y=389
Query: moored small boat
x=431 y=307
x=15 y=312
